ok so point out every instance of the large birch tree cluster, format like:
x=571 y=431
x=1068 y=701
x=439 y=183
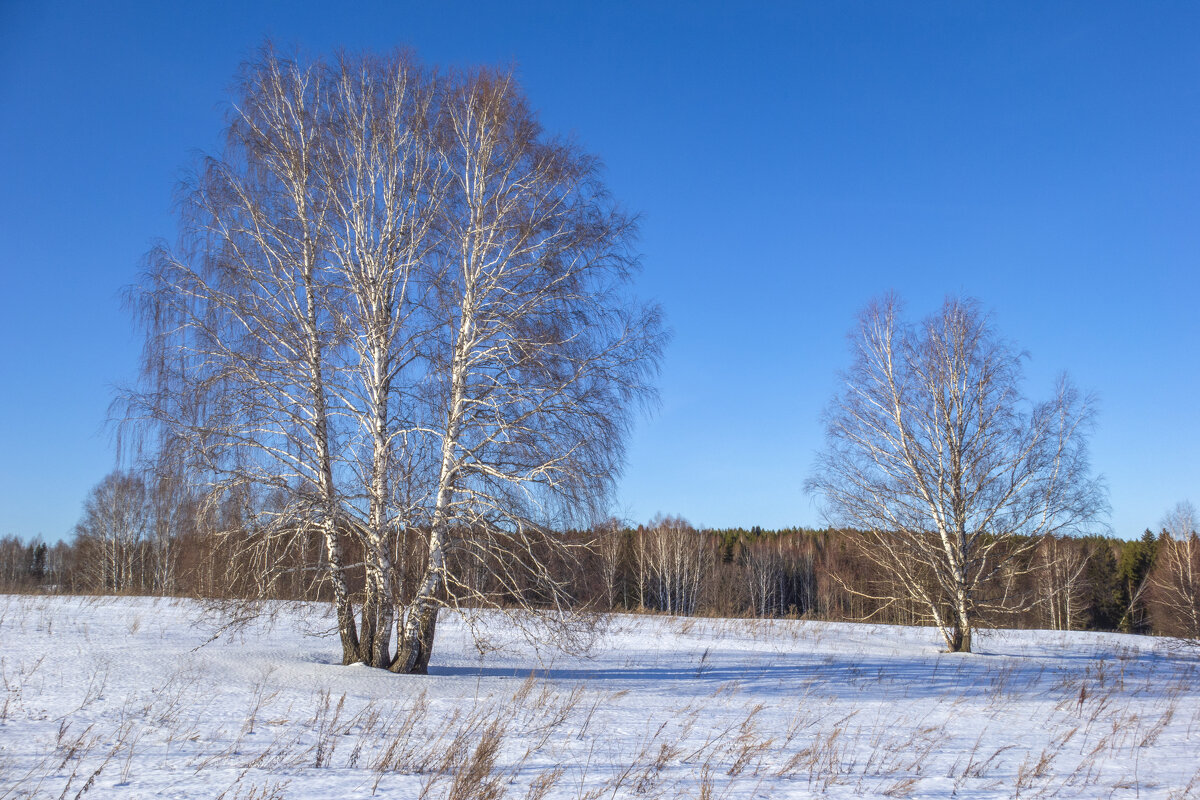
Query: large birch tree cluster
x=401 y=310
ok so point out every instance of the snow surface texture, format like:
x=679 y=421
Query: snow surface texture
x=116 y=698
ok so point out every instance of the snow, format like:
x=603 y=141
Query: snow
x=123 y=698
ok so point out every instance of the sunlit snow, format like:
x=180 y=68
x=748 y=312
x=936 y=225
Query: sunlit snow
x=123 y=698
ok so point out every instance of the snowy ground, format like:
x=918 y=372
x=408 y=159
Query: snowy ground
x=112 y=698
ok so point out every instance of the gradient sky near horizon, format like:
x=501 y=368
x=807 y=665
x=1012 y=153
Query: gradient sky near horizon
x=790 y=161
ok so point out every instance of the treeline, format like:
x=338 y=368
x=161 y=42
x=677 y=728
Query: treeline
x=1065 y=583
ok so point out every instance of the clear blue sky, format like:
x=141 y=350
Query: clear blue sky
x=790 y=161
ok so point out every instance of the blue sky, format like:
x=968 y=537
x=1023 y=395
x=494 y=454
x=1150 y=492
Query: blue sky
x=789 y=161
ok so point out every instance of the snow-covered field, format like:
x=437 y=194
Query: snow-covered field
x=116 y=698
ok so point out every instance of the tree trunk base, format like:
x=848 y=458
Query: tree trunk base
x=349 y=636
x=413 y=657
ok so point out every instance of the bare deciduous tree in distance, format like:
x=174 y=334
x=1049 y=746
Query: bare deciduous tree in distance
x=934 y=452
x=401 y=311
x=113 y=532
x=1062 y=582
x=672 y=559
x=1175 y=579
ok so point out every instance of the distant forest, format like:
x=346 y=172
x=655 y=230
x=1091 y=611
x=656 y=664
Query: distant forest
x=1066 y=583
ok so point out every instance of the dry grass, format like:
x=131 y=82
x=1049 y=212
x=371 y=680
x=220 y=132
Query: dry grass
x=844 y=728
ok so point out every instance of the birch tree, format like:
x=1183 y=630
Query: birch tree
x=1175 y=579
x=383 y=187
x=239 y=321
x=113 y=533
x=401 y=311
x=539 y=356
x=609 y=544
x=1061 y=567
x=932 y=450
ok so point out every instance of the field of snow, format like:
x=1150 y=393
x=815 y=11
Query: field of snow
x=122 y=698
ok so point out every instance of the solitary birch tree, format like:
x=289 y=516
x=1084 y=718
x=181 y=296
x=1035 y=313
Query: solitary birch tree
x=933 y=451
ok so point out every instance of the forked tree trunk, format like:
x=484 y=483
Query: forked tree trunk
x=960 y=639
x=369 y=618
x=415 y=649
x=416 y=640
x=960 y=632
x=416 y=643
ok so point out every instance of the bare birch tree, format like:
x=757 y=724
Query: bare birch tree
x=673 y=559
x=933 y=451
x=383 y=187
x=402 y=311
x=113 y=534
x=765 y=578
x=609 y=544
x=539 y=354
x=1061 y=566
x=1175 y=579
x=238 y=318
